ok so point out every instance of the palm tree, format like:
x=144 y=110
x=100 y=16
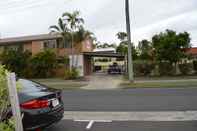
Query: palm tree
x=81 y=35
x=121 y=36
x=74 y=21
x=62 y=29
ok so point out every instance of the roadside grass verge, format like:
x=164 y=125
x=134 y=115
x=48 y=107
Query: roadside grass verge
x=170 y=84
x=167 y=78
x=61 y=84
x=181 y=77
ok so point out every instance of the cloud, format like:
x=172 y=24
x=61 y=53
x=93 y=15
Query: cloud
x=148 y=17
x=178 y=23
x=104 y=17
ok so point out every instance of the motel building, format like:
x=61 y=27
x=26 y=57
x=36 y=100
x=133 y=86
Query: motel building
x=83 y=52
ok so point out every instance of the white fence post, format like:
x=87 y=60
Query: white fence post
x=11 y=79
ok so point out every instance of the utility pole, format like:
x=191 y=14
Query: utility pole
x=130 y=60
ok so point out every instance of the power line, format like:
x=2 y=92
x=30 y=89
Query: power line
x=15 y=3
x=30 y=6
x=11 y=1
x=27 y=2
x=19 y=4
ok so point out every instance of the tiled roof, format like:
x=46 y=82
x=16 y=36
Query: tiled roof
x=192 y=51
x=29 y=38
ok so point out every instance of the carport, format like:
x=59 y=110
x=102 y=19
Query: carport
x=88 y=59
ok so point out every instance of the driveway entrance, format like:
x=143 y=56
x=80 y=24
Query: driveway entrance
x=103 y=81
x=88 y=66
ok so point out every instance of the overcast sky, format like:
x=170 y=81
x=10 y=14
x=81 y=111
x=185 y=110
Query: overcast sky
x=103 y=17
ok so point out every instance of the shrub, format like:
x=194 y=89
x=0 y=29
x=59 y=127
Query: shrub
x=185 y=68
x=71 y=74
x=166 y=69
x=16 y=61
x=143 y=68
x=43 y=63
x=195 y=66
x=63 y=60
x=5 y=125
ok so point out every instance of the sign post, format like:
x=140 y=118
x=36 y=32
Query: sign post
x=11 y=80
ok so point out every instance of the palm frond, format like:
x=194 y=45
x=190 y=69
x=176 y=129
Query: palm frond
x=61 y=24
x=80 y=20
x=67 y=14
x=76 y=13
x=54 y=27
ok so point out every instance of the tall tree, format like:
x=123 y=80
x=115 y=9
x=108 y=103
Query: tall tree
x=75 y=22
x=122 y=48
x=169 y=46
x=122 y=36
x=82 y=34
x=145 y=50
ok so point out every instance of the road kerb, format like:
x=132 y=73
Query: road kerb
x=132 y=116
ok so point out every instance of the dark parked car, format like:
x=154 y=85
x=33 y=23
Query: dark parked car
x=114 y=69
x=41 y=106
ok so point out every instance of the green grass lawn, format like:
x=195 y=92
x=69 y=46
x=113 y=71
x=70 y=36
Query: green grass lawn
x=165 y=78
x=61 y=83
x=178 y=84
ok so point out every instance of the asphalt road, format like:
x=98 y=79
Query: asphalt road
x=126 y=126
x=131 y=100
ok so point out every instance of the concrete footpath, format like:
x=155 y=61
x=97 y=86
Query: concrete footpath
x=103 y=82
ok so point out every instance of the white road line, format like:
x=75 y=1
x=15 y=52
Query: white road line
x=132 y=116
x=91 y=122
x=88 y=127
x=82 y=120
x=104 y=121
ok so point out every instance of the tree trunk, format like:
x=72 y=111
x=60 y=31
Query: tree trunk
x=130 y=61
x=72 y=53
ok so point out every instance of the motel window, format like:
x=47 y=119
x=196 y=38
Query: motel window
x=16 y=47
x=50 y=44
x=61 y=44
